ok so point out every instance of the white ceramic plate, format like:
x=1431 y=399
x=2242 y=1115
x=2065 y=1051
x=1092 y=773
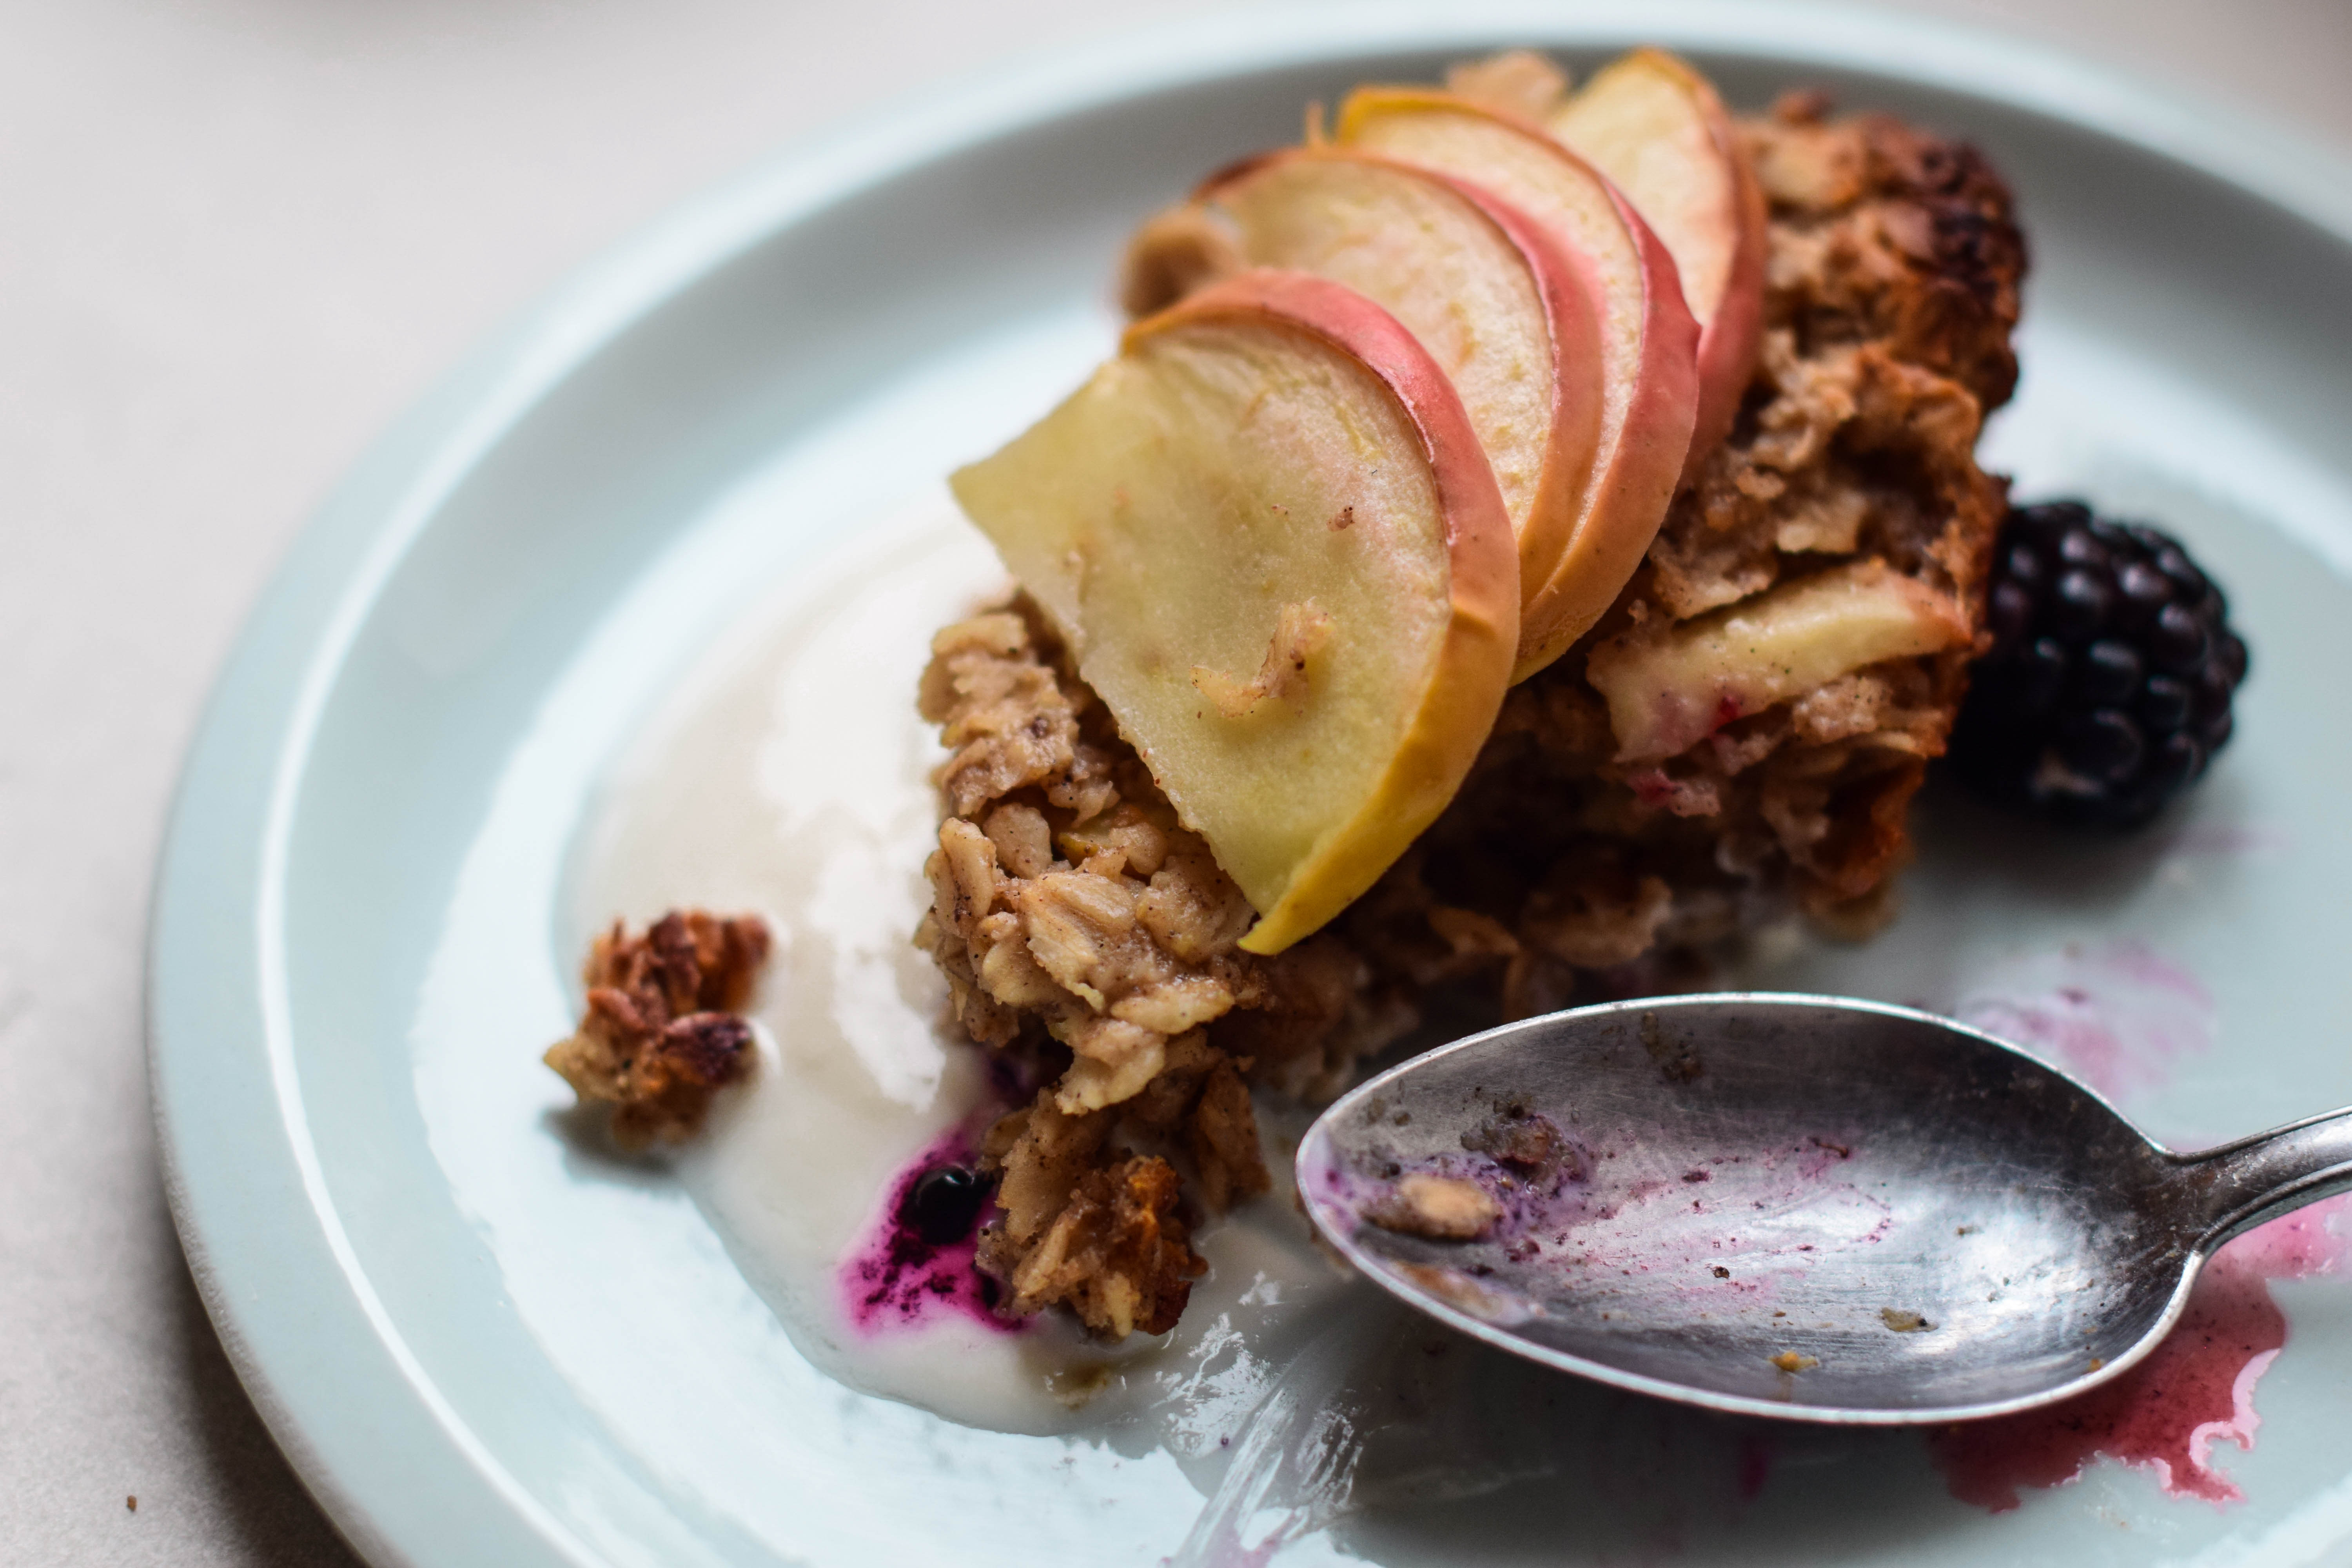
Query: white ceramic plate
x=478 y=1350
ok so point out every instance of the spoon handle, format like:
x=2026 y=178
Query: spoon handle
x=2239 y=1186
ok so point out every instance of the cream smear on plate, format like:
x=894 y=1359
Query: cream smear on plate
x=790 y=776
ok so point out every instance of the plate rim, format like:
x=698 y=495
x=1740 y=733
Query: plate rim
x=399 y=1473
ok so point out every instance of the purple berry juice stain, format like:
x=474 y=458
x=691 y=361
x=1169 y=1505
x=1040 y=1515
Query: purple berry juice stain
x=2118 y=1014
x=2166 y=1413
x=2122 y=1016
x=919 y=1262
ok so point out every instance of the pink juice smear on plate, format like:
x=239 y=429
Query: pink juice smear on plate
x=2166 y=1414
x=2121 y=1016
x=2117 y=1016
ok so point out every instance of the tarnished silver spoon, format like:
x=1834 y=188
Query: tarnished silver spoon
x=1797 y=1206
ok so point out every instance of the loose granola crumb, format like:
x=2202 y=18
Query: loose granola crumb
x=661 y=1033
x=1443 y=1208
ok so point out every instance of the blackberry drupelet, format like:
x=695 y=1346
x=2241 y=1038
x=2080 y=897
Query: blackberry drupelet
x=2107 y=691
x=943 y=1206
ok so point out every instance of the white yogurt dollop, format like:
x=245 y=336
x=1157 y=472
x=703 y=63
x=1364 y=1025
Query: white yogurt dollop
x=790 y=776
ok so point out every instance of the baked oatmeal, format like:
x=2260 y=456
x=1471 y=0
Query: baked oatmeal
x=1605 y=839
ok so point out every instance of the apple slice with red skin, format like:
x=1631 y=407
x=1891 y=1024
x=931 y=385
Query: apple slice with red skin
x=1655 y=126
x=1272 y=540
x=1670 y=688
x=1492 y=296
x=1649 y=341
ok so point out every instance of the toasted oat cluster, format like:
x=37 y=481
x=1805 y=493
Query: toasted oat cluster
x=1088 y=937
x=661 y=1033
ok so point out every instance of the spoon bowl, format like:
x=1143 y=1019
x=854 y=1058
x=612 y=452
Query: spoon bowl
x=1796 y=1206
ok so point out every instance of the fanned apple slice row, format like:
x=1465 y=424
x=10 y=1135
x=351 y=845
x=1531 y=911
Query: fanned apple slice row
x=1649 y=342
x=1495 y=300
x=1272 y=540
x=1655 y=126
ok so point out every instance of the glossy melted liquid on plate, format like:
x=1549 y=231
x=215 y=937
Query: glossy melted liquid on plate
x=789 y=775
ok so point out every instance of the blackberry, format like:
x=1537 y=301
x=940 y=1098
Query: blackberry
x=2108 y=689
x=944 y=1204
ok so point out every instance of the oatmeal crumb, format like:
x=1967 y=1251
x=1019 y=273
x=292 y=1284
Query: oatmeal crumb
x=1516 y=1138
x=1466 y=1291
x=1443 y=1208
x=661 y=1033
x=1790 y=1361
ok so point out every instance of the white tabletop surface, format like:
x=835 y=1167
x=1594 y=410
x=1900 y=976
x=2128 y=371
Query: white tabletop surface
x=236 y=236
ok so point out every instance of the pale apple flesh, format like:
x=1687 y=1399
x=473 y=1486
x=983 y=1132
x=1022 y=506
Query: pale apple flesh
x=1649 y=339
x=1667 y=692
x=1491 y=296
x=1657 y=129
x=1269 y=534
x=1516 y=81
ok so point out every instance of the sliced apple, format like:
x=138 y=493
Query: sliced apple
x=1270 y=536
x=1656 y=127
x=1649 y=341
x=1668 y=692
x=1516 y=81
x=1495 y=299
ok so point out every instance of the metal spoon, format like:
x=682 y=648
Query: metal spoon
x=1797 y=1206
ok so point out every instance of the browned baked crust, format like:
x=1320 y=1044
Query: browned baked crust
x=661 y=1035
x=1084 y=933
